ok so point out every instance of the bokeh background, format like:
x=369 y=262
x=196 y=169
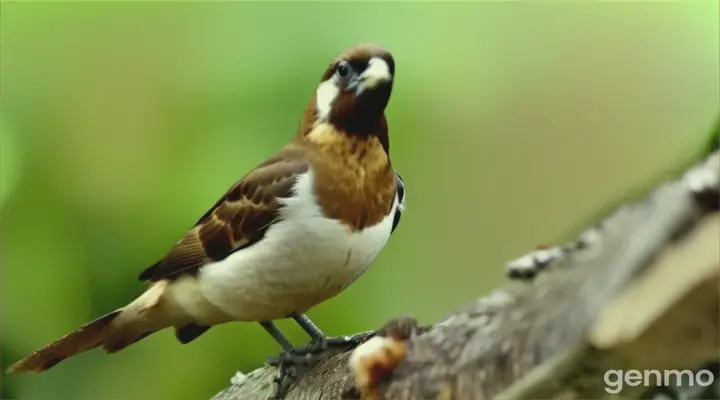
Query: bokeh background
x=512 y=123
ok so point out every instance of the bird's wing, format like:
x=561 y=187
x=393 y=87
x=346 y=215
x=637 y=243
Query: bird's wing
x=238 y=219
x=400 y=190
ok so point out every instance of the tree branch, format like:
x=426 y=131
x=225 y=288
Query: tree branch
x=643 y=294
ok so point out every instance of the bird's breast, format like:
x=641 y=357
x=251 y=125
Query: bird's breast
x=304 y=259
x=353 y=182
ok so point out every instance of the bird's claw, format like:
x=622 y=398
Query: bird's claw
x=286 y=376
x=289 y=364
x=283 y=380
x=306 y=355
x=323 y=344
x=290 y=357
x=292 y=360
x=341 y=342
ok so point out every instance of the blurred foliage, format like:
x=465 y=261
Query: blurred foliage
x=10 y=154
x=510 y=122
x=714 y=141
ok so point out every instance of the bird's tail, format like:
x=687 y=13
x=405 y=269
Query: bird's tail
x=113 y=331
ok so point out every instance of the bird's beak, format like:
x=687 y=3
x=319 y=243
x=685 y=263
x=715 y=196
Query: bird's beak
x=376 y=74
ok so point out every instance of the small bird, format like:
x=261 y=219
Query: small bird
x=293 y=232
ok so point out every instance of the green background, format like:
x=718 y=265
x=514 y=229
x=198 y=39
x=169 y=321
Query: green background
x=511 y=123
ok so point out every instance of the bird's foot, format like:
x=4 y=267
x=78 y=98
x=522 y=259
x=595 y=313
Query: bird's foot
x=290 y=358
x=340 y=342
x=309 y=353
x=293 y=361
x=320 y=345
x=284 y=380
x=290 y=364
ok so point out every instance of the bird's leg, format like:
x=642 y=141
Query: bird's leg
x=306 y=355
x=286 y=361
x=288 y=354
x=276 y=334
x=319 y=342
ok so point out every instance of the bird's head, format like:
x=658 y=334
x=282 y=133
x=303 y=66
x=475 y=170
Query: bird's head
x=353 y=92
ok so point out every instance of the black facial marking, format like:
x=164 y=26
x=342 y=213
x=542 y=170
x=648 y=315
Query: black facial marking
x=359 y=66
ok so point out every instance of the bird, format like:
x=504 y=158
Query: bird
x=293 y=232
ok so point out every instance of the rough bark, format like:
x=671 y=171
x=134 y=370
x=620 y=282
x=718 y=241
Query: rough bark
x=645 y=296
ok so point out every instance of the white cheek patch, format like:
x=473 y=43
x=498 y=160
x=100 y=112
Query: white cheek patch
x=378 y=71
x=325 y=95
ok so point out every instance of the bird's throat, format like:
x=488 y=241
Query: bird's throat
x=366 y=150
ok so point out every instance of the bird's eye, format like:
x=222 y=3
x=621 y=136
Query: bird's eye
x=343 y=69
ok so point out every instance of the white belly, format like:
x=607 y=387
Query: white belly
x=302 y=260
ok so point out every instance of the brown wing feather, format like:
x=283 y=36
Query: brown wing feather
x=239 y=219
